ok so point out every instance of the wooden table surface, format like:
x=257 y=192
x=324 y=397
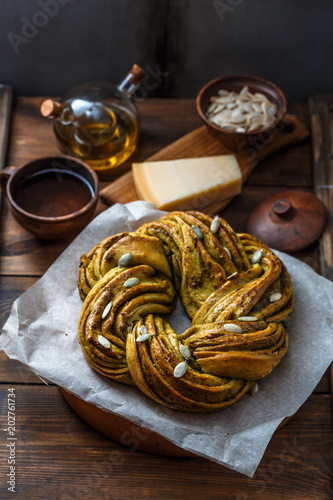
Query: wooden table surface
x=58 y=456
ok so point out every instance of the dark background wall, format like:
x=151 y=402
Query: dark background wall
x=47 y=46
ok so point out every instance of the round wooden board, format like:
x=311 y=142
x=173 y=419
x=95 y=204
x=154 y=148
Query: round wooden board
x=124 y=431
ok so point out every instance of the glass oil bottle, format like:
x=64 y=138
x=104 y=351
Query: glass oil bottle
x=98 y=122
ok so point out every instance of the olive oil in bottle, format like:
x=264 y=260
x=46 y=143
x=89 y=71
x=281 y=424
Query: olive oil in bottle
x=98 y=123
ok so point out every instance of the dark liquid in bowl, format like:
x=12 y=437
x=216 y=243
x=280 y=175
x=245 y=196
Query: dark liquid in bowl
x=53 y=193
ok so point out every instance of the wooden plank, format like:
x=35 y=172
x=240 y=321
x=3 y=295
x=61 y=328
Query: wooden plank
x=324 y=384
x=321 y=114
x=12 y=371
x=199 y=143
x=321 y=110
x=58 y=453
x=5 y=111
x=292 y=164
x=286 y=164
x=24 y=254
x=10 y=290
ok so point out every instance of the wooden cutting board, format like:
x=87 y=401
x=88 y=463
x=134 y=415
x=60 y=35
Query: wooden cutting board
x=199 y=143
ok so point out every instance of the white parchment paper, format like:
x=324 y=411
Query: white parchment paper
x=41 y=332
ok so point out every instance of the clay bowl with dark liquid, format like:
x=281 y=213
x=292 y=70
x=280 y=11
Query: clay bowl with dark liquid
x=52 y=197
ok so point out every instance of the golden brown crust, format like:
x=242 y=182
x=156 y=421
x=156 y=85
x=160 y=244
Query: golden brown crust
x=236 y=304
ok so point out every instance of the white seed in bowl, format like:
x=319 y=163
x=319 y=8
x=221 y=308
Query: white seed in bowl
x=243 y=112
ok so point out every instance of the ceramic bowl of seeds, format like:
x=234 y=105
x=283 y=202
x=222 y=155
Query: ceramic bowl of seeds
x=237 y=108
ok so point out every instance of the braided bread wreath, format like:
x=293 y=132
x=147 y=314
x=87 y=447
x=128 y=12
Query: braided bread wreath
x=235 y=289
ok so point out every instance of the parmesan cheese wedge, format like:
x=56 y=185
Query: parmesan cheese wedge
x=187 y=184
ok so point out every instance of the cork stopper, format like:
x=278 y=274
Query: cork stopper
x=51 y=109
x=136 y=75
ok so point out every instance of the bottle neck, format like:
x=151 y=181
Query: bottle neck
x=132 y=80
